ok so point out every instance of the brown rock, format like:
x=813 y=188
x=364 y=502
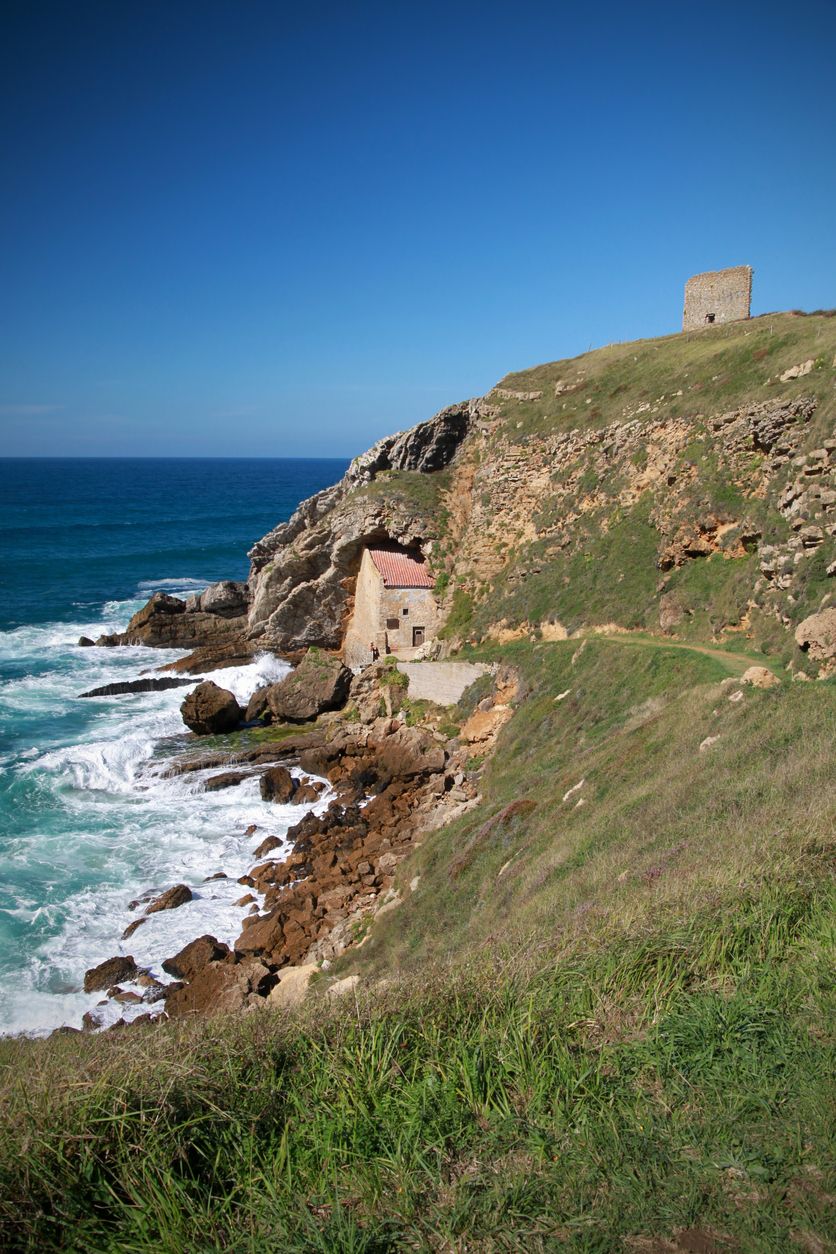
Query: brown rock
x=265 y=935
x=192 y=958
x=173 y=897
x=320 y=682
x=131 y=928
x=278 y=785
x=227 y=779
x=111 y=971
x=267 y=846
x=210 y=710
x=220 y=988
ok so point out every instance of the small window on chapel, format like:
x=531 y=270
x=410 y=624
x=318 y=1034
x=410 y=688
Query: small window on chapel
x=392 y=624
x=710 y=317
x=405 y=610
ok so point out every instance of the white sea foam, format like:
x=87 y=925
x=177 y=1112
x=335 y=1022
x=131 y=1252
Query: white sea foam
x=105 y=826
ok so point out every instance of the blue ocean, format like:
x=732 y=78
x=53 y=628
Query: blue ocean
x=88 y=821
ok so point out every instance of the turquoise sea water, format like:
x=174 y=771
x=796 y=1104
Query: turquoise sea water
x=87 y=822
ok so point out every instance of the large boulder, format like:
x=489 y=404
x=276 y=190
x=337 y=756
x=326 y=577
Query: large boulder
x=192 y=958
x=220 y=988
x=210 y=710
x=173 y=897
x=227 y=598
x=278 y=785
x=817 y=637
x=320 y=682
x=111 y=971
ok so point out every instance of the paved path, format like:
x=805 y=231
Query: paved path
x=442 y=682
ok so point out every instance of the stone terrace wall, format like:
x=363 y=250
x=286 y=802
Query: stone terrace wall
x=727 y=294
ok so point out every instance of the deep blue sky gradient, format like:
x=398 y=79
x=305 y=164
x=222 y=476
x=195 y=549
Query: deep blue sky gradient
x=263 y=229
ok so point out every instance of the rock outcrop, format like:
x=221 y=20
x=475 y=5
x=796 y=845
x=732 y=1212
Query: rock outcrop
x=320 y=682
x=817 y=635
x=303 y=572
x=211 y=710
x=111 y=971
x=213 y=623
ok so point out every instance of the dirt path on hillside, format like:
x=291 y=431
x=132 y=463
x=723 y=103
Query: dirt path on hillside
x=735 y=663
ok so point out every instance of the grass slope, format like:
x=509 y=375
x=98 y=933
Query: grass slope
x=620 y=1041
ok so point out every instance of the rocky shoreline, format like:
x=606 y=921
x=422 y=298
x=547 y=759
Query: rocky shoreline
x=342 y=744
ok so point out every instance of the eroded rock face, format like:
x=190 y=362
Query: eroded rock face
x=210 y=710
x=220 y=988
x=214 y=622
x=817 y=636
x=303 y=572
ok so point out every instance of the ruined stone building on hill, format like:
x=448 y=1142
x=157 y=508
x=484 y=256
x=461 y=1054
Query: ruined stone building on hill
x=717 y=296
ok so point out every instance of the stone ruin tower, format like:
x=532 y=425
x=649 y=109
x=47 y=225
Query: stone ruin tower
x=717 y=296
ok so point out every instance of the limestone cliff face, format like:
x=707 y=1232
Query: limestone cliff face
x=685 y=486
x=303 y=572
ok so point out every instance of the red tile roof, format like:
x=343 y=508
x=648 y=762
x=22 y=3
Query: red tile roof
x=400 y=569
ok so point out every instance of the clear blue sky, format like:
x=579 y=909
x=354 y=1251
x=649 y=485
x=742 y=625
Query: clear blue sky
x=262 y=228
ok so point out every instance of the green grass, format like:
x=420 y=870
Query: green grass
x=676 y=1079
x=715 y=369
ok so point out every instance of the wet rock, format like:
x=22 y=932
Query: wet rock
x=192 y=958
x=137 y=685
x=173 y=897
x=131 y=928
x=84 y=642
x=210 y=710
x=277 y=785
x=267 y=846
x=111 y=971
x=227 y=779
x=319 y=683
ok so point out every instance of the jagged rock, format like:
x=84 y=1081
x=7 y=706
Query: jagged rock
x=192 y=958
x=277 y=785
x=227 y=779
x=258 y=706
x=84 y=642
x=267 y=846
x=317 y=684
x=138 y=685
x=173 y=897
x=132 y=927
x=227 y=598
x=216 y=624
x=303 y=572
x=220 y=988
x=816 y=635
x=111 y=971
x=210 y=710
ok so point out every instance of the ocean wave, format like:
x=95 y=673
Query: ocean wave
x=104 y=824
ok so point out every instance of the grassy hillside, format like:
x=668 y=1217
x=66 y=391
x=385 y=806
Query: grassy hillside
x=611 y=1026
x=610 y=489
x=601 y=1016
